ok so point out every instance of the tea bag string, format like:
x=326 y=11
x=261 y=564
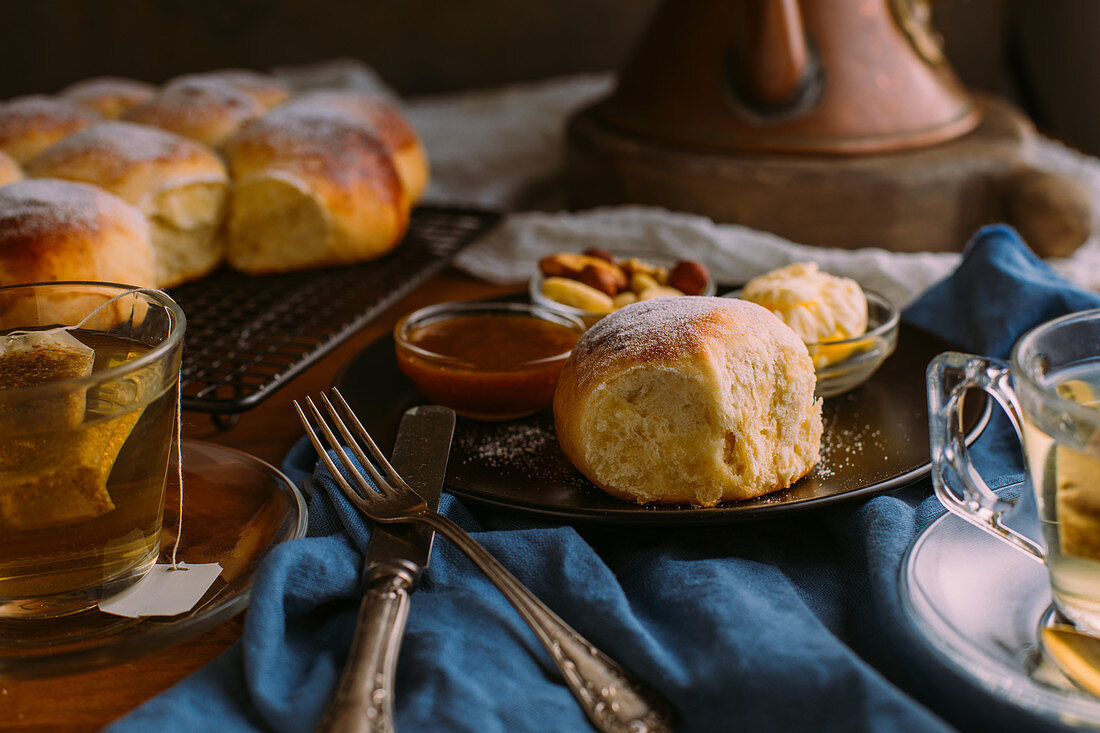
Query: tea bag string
x=176 y=565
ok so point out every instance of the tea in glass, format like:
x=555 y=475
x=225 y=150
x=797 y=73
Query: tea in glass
x=1063 y=457
x=86 y=422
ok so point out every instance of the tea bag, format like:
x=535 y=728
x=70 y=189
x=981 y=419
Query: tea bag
x=56 y=460
x=33 y=358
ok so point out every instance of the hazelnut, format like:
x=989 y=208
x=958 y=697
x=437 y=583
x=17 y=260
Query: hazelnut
x=601 y=254
x=562 y=264
x=608 y=280
x=689 y=276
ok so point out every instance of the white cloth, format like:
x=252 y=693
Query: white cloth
x=503 y=149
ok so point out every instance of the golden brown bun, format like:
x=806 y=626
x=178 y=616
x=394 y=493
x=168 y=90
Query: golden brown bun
x=10 y=172
x=689 y=400
x=268 y=90
x=110 y=96
x=377 y=117
x=29 y=125
x=179 y=184
x=309 y=193
x=54 y=230
x=205 y=109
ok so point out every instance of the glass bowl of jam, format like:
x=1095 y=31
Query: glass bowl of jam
x=486 y=360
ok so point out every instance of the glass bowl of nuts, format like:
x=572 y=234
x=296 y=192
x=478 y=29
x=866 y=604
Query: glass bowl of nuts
x=593 y=283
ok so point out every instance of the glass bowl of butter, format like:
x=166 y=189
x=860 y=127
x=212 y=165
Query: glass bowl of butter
x=849 y=331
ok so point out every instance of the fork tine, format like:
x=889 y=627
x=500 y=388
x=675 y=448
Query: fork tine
x=365 y=487
x=391 y=473
x=380 y=484
x=323 y=453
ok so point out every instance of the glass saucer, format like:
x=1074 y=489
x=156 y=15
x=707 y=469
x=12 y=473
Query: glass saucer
x=236 y=508
x=978 y=603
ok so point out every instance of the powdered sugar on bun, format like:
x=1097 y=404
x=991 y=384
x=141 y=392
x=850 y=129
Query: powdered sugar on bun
x=10 y=172
x=373 y=116
x=110 y=96
x=115 y=147
x=689 y=400
x=264 y=88
x=36 y=209
x=54 y=230
x=29 y=125
x=206 y=109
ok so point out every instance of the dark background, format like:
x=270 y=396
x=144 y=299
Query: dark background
x=1043 y=54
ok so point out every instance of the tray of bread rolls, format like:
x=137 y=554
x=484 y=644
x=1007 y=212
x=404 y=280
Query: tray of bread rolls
x=280 y=218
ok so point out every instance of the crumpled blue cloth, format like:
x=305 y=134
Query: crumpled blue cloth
x=786 y=624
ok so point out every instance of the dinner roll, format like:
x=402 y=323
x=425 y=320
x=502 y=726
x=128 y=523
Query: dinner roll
x=110 y=96
x=376 y=116
x=309 y=193
x=53 y=230
x=179 y=184
x=264 y=88
x=29 y=125
x=205 y=109
x=10 y=172
x=689 y=400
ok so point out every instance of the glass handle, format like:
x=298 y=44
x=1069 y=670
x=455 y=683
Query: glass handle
x=949 y=377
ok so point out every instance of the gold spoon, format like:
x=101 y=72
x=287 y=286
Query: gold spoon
x=1076 y=654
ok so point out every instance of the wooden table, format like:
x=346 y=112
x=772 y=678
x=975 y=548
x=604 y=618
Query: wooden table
x=87 y=702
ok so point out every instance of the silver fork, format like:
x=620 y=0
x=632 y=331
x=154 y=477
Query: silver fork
x=614 y=699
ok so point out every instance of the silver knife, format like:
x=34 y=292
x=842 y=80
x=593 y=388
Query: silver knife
x=396 y=556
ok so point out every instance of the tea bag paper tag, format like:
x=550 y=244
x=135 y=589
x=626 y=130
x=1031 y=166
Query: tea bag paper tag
x=164 y=591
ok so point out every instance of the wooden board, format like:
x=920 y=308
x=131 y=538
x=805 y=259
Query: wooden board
x=929 y=199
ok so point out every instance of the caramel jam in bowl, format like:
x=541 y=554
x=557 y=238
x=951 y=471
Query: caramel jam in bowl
x=488 y=361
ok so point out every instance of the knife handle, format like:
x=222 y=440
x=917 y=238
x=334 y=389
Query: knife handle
x=614 y=700
x=363 y=701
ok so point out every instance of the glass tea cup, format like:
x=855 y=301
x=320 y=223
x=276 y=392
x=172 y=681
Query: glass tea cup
x=86 y=424
x=1050 y=390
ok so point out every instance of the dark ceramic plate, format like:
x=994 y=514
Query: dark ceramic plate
x=876 y=439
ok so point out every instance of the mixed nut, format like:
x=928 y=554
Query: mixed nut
x=598 y=282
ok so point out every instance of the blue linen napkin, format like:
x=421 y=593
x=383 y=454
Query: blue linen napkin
x=785 y=624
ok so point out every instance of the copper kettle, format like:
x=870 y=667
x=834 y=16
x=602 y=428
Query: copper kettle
x=817 y=76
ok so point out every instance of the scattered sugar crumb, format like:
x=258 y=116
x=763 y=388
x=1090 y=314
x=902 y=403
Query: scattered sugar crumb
x=840 y=446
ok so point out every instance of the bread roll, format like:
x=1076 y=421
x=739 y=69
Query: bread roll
x=205 y=109
x=110 y=96
x=10 y=172
x=268 y=90
x=29 y=125
x=53 y=230
x=309 y=193
x=180 y=185
x=689 y=400
x=377 y=117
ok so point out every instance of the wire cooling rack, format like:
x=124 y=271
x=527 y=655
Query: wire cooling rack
x=249 y=335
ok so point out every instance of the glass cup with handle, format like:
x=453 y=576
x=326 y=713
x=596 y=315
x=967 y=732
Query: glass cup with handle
x=1050 y=390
